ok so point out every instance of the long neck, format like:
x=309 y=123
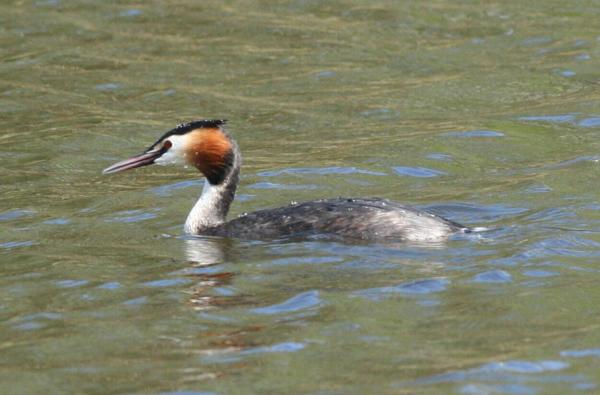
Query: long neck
x=211 y=208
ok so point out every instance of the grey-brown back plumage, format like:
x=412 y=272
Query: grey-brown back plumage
x=367 y=219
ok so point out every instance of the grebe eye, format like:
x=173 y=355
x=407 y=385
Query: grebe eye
x=167 y=144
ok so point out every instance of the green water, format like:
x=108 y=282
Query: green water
x=487 y=113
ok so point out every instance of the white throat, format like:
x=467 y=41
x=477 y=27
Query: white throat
x=207 y=212
x=211 y=208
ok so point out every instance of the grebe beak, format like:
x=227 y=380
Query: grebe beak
x=145 y=159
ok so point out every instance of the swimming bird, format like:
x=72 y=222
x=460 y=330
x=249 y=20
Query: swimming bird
x=207 y=146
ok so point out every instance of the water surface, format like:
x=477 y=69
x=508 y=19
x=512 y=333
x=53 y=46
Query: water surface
x=485 y=113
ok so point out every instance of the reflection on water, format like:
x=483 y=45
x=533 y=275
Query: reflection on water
x=205 y=251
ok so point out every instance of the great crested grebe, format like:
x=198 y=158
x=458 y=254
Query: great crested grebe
x=208 y=147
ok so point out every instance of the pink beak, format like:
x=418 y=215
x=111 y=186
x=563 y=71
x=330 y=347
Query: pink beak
x=145 y=159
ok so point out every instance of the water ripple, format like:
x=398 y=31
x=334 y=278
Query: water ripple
x=568 y=245
x=167 y=190
x=592 y=122
x=567 y=73
x=561 y=118
x=493 y=276
x=525 y=366
x=539 y=188
x=417 y=287
x=320 y=171
x=421 y=172
x=136 y=301
x=566 y=163
x=440 y=157
x=590 y=352
x=110 y=285
x=15 y=244
x=301 y=301
x=325 y=74
x=29 y=326
x=167 y=282
x=280 y=347
x=534 y=41
x=130 y=13
x=539 y=273
x=583 y=56
x=133 y=216
x=36 y=320
x=229 y=356
x=473 y=212
x=572 y=118
x=381 y=113
x=110 y=86
x=15 y=214
x=47 y=3
x=485 y=389
x=271 y=185
x=57 y=221
x=188 y=393
x=508 y=371
x=311 y=260
x=71 y=283
x=474 y=133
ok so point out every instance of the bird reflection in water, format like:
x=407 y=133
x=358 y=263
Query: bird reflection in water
x=206 y=254
x=206 y=251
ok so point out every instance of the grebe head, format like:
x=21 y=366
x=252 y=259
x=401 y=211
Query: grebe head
x=202 y=144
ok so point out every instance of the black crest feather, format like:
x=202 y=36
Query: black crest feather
x=184 y=128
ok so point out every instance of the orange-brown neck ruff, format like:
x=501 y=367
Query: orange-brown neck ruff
x=210 y=150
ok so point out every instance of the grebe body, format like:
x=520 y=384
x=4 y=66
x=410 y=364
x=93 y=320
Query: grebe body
x=208 y=147
x=339 y=218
